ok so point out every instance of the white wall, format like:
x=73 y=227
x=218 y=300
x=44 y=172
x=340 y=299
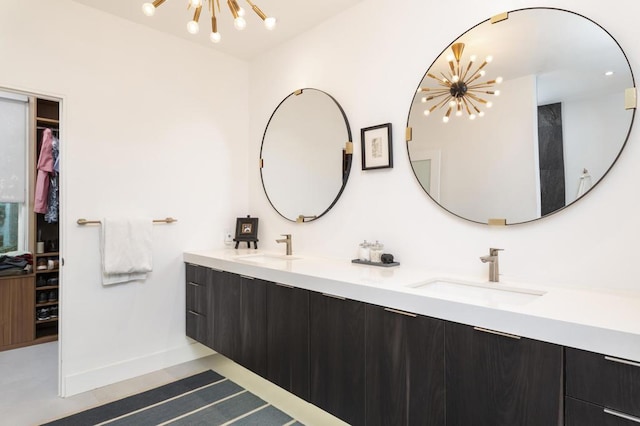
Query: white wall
x=371 y=59
x=153 y=126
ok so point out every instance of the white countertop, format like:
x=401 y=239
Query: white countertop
x=596 y=321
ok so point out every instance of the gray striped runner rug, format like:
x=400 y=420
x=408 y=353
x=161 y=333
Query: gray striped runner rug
x=206 y=398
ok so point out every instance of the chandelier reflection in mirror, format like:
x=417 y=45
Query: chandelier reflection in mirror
x=460 y=89
x=237 y=12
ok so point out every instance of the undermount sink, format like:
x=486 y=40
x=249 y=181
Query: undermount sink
x=485 y=293
x=266 y=258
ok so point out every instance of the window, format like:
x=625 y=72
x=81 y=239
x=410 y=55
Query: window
x=13 y=171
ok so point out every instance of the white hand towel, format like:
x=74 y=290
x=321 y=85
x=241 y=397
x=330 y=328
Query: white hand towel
x=126 y=249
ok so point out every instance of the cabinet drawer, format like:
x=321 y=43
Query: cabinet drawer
x=580 y=413
x=197 y=292
x=196 y=326
x=197 y=296
x=603 y=380
x=196 y=274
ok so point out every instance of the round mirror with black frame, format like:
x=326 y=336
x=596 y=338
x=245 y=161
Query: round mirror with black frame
x=306 y=155
x=521 y=116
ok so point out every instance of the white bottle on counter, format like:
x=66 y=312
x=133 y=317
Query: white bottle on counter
x=364 y=253
x=375 y=252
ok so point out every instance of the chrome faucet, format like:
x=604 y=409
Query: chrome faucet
x=492 y=259
x=287 y=241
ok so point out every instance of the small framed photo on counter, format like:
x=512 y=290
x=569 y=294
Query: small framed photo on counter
x=377 y=152
x=247 y=231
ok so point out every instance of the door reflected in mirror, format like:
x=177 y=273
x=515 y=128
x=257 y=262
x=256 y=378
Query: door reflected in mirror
x=556 y=128
x=306 y=155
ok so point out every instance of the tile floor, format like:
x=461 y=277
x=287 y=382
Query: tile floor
x=29 y=387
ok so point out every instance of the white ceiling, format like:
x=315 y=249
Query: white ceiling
x=294 y=17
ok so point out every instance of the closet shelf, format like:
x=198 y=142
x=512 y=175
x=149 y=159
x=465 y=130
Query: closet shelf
x=48 y=120
x=50 y=254
x=47 y=271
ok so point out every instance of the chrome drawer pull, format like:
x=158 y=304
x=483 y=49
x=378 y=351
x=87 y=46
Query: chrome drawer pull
x=334 y=296
x=406 y=314
x=194 y=284
x=622 y=361
x=195 y=313
x=284 y=285
x=622 y=415
x=247 y=277
x=499 y=333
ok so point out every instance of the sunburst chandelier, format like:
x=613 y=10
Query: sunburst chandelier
x=238 y=15
x=459 y=88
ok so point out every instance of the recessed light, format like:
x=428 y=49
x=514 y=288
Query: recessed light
x=608 y=73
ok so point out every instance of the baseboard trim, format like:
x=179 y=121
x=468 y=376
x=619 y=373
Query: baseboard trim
x=76 y=383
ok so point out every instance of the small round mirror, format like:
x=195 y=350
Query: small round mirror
x=306 y=155
x=521 y=115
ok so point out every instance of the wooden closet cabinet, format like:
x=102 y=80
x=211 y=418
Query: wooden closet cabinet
x=16 y=311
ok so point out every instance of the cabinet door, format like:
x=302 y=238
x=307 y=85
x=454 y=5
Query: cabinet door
x=500 y=380
x=580 y=413
x=288 y=338
x=404 y=368
x=604 y=380
x=197 y=297
x=336 y=351
x=253 y=324
x=224 y=310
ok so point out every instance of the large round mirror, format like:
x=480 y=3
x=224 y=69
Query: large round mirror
x=521 y=116
x=306 y=155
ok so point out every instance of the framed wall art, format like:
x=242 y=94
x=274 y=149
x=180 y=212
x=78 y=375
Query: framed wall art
x=377 y=152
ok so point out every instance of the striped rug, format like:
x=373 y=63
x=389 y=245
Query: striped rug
x=206 y=398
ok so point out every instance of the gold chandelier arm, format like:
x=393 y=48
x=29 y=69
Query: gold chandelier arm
x=445 y=81
x=257 y=10
x=464 y=76
x=436 y=96
x=476 y=98
x=479 y=86
x=444 y=102
x=439 y=80
x=466 y=105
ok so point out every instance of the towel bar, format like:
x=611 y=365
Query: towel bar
x=98 y=222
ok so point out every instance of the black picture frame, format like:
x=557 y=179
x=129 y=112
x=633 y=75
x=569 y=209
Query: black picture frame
x=247 y=231
x=377 y=149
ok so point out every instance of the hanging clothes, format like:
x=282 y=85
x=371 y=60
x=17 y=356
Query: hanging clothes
x=45 y=166
x=51 y=215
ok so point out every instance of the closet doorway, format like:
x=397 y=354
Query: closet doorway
x=30 y=256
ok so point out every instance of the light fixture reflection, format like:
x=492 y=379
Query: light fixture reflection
x=459 y=89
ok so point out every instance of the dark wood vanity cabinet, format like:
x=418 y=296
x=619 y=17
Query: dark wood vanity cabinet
x=197 y=298
x=227 y=312
x=253 y=325
x=405 y=376
x=288 y=338
x=336 y=348
x=224 y=313
x=501 y=380
x=372 y=365
x=601 y=390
